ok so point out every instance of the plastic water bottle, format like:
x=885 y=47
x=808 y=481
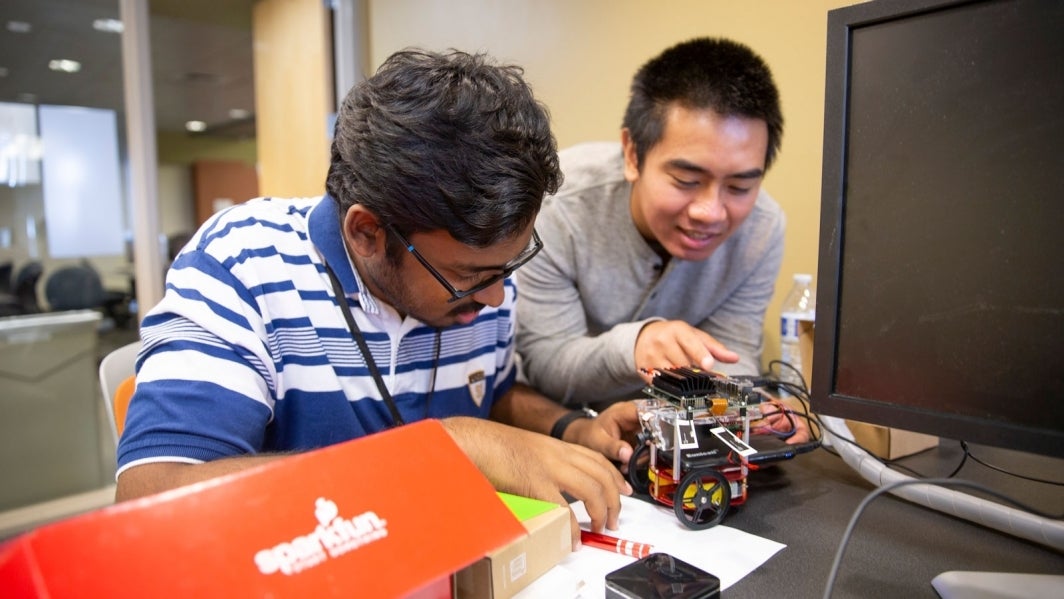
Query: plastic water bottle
x=799 y=304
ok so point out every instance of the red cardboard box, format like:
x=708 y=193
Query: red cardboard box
x=390 y=515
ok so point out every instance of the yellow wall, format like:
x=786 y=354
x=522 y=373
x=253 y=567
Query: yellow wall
x=580 y=55
x=293 y=95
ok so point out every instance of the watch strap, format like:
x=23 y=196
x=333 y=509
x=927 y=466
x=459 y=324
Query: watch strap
x=563 y=423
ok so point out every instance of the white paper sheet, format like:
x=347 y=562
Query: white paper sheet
x=725 y=552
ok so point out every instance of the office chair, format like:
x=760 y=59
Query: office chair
x=6 y=270
x=9 y=304
x=25 y=286
x=76 y=287
x=117 y=380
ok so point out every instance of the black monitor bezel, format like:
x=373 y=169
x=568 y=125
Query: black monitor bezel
x=825 y=400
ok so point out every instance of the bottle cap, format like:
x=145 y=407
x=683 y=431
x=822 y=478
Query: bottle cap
x=803 y=278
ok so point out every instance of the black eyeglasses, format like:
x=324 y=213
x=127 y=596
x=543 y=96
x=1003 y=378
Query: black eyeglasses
x=507 y=269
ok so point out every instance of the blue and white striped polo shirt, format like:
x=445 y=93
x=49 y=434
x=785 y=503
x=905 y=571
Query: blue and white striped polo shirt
x=249 y=352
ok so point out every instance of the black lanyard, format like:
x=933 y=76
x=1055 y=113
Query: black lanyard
x=356 y=333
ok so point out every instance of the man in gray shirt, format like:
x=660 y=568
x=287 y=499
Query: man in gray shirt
x=661 y=250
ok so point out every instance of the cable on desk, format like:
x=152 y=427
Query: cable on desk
x=759 y=427
x=847 y=438
x=1047 y=531
x=969 y=454
x=966 y=454
x=944 y=482
x=799 y=391
x=964 y=460
x=803 y=386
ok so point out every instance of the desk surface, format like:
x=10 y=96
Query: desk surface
x=897 y=547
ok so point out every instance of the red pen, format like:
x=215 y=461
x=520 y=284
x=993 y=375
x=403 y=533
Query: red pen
x=608 y=543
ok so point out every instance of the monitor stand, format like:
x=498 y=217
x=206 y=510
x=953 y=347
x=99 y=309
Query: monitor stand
x=957 y=584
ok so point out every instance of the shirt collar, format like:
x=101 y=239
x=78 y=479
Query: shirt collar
x=326 y=235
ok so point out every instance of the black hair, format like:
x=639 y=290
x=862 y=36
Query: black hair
x=701 y=73
x=445 y=141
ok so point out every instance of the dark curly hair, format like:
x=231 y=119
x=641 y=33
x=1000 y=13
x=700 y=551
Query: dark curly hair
x=701 y=73
x=445 y=141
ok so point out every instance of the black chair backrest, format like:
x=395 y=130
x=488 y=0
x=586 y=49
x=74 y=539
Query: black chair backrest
x=6 y=270
x=25 y=286
x=74 y=288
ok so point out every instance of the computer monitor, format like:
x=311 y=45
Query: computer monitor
x=940 y=304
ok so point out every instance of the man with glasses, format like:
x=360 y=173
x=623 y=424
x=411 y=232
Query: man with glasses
x=663 y=249
x=289 y=325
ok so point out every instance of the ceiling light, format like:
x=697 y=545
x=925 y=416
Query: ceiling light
x=108 y=25
x=19 y=27
x=238 y=114
x=64 y=65
x=195 y=126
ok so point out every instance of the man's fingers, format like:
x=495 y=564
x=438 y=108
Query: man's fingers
x=610 y=446
x=598 y=484
x=707 y=362
x=597 y=502
x=706 y=351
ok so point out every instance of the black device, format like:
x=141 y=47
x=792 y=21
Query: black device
x=661 y=576
x=940 y=304
x=771 y=448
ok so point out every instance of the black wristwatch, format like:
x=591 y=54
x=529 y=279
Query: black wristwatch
x=563 y=423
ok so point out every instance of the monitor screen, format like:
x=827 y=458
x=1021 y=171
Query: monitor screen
x=940 y=305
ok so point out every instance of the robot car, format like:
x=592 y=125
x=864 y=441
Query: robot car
x=694 y=453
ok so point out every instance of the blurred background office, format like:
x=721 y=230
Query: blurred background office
x=124 y=124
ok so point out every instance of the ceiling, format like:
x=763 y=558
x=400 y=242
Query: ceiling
x=201 y=59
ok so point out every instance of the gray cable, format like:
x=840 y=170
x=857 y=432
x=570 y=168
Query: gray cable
x=975 y=509
x=890 y=488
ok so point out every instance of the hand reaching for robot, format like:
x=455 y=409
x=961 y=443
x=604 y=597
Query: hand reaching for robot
x=675 y=343
x=612 y=433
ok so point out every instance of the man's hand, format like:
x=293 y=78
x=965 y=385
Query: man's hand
x=780 y=418
x=612 y=433
x=534 y=465
x=667 y=343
